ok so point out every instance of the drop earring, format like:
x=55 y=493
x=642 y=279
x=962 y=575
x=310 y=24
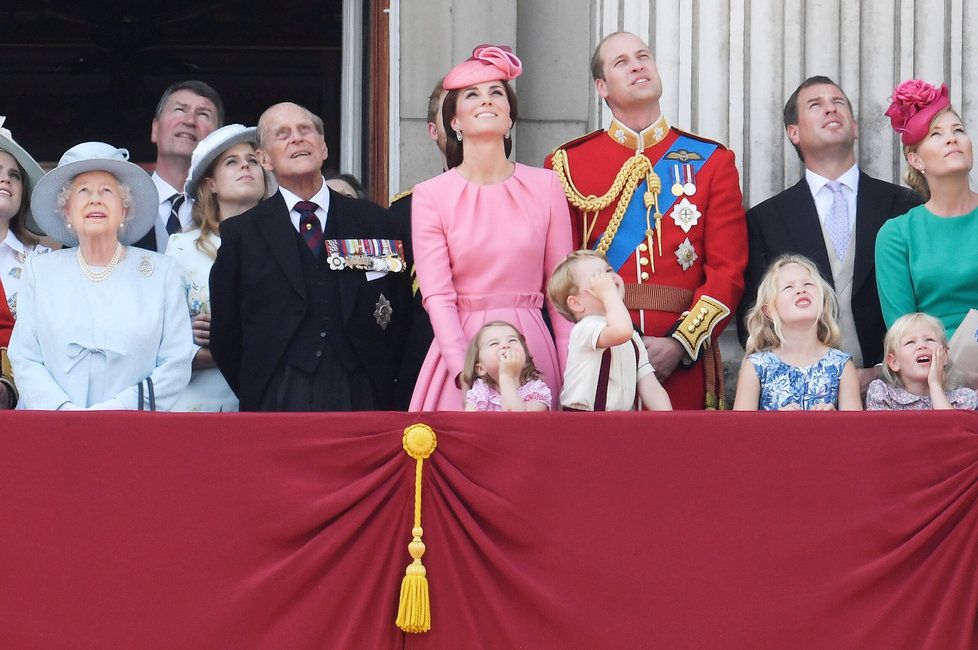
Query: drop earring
x=458 y=134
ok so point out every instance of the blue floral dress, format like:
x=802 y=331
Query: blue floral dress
x=783 y=384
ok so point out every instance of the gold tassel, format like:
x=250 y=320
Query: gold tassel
x=414 y=607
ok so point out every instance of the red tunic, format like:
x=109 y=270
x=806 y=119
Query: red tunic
x=719 y=240
x=6 y=320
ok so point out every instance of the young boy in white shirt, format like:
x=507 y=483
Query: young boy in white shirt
x=608 y=367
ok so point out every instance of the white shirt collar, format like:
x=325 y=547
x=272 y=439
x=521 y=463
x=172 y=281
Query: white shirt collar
x=849 y=179
x=13 y=243
x=164 y=189
x=320 y=198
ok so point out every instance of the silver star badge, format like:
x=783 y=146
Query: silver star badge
x=620 y=136
x=686 y=255
x=685 y=214
x=658 y=133
x=383 y=311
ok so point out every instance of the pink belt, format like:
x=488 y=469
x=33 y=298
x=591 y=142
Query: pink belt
x=500 y=301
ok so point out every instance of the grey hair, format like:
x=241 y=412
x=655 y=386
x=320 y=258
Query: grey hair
x=198 y=88
x=124 y=192
x=262 y=137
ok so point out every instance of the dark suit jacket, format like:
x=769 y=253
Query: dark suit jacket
x=420 y=335
x=258 y=296
x=788 y=223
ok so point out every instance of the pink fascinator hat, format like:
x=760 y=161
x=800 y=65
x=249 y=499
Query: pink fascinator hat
x=487 y=63
x=913 y=105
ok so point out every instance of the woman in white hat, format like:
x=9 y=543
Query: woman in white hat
x=225 y=179
x=101 y=325
x=19 y=173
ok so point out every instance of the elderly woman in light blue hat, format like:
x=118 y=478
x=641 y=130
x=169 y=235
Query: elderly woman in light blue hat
x=225 y=179
x=101 y=325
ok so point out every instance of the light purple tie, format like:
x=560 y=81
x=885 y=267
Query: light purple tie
x=837 y=220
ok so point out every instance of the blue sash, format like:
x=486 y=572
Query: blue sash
x=631 y=231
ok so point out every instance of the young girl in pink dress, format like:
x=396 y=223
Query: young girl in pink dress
x=486 y=234
x=500 y=371
x=915 y=369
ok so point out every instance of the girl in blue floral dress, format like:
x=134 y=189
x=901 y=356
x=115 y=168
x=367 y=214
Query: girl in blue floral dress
x=792 y=363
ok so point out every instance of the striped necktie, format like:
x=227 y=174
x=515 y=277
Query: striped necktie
x=173 y=223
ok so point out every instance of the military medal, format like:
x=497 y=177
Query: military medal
x=383 y=311
x=677 y=186
x=689 y=187
x=685 y=214
x=686 y=255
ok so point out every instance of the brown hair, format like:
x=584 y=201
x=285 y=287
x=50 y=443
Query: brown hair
x=597 y=62
x=472 y=357
x=453 y=146
x=764 y=330
x=791 y=106
x=914 y=177
x=18 y=222
x=561 y=285
x=433 y=100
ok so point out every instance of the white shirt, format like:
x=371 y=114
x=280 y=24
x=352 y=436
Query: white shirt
x=207 y=390
x=165 y=190
x=320 y=198
x=823 y=195
x=584 y=366
x=13 y=256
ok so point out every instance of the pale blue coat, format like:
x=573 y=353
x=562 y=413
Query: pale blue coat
x=83 y=344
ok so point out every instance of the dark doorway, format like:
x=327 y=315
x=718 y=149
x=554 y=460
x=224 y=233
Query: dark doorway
x=77 y=70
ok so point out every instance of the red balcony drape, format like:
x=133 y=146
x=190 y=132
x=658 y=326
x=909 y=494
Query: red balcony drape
x=698 y=530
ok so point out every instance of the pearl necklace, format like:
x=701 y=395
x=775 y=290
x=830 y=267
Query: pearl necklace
x=98 y=276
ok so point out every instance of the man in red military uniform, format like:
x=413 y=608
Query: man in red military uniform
x=665 y=207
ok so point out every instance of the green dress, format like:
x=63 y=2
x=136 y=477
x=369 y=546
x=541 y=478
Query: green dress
x=928 y=263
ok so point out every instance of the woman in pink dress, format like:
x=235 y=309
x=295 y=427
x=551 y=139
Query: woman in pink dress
x=486 y=234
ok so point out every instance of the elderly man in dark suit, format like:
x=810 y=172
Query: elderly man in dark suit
x=310 y=292
x=831 y=216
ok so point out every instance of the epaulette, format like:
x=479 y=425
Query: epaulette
x=696 y=136
x=576 y=141
x=400 y=195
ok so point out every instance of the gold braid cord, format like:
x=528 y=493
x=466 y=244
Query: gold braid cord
x=414 y=607
x=635 y=169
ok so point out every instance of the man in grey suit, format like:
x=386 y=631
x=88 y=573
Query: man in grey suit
x=831 y=215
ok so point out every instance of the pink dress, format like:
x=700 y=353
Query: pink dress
x=483 y=253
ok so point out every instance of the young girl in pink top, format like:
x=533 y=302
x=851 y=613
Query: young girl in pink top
x=915 y=369
x=500 y=371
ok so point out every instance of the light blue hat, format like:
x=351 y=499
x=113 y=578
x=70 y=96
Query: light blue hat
x=33 y=170
x=96 y=156
x=211 y=147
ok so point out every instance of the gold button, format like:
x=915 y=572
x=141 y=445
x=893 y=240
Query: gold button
x=697 y=322
x=643 y=261
x=643 y=247
x=645 y=276
x=690 y=329
x=704 y=310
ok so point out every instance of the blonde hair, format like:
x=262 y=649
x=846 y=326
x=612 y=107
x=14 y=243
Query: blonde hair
x=764 y=331
x=914 y=177
x=469 y=374
x=891 y=342
x=206 y=210
x=561 y=285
